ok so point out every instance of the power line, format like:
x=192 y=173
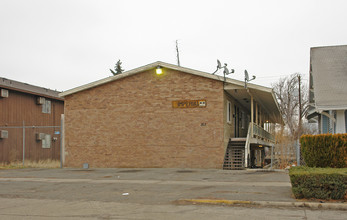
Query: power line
x=276 y=76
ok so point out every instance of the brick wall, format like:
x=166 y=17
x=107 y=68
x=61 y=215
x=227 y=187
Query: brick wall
x=130 y=122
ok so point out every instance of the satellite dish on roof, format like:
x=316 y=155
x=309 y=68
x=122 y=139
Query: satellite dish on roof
x=219 y=65
x=226 y=71
x=247 y=78
x=246 y=75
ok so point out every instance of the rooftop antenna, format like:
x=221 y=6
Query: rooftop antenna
x=247 y=78
x=178 y=54
x=225 y=71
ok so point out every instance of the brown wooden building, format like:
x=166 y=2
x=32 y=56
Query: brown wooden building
x=29 y=122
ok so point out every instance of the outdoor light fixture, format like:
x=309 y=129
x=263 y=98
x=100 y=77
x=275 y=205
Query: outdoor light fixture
x=159 y=70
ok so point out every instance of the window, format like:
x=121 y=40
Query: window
x=46 y=141
x=228 y=112
x=325 y=124
x=333 y=123
x=46 y=106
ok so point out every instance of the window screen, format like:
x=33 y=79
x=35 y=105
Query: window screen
x=46 y=107
x=228 y=111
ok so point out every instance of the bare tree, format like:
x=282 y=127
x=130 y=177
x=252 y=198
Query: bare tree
x=292 y=96
x=289 y=91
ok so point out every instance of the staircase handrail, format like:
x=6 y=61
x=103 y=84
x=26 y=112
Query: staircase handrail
x=248 y=145
x=261 y=132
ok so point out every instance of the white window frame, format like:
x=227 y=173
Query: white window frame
x=46 y=107
x=229 y=112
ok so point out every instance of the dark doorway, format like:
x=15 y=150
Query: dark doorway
x=237 y=121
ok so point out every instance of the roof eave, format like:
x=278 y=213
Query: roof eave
x=108 y=79
x=165 y=65
x=331 y=107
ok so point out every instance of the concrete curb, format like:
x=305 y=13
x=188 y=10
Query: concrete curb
x=268 y=170
x=311 y=205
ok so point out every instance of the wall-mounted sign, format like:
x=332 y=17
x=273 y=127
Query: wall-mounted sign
x=189 y=104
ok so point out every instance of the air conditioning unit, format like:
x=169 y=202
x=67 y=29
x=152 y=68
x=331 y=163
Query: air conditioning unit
x=40 y=100
x=3 y=134
x=4 y=93
x=40 y=136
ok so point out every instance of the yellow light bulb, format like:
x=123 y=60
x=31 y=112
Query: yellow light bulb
x=159 y=70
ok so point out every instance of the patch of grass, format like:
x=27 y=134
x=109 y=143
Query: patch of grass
x=31 y=164
x=317 y=170
x=319 y=183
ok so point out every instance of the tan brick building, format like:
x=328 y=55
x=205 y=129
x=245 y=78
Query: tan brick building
x=180 y=118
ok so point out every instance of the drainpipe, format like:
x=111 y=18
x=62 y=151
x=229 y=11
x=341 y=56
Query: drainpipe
x=23 y=143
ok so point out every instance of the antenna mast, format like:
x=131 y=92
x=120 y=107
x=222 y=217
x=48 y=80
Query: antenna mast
x=178 y=54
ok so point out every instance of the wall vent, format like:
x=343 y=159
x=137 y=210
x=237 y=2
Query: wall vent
x=3 y=134
x=40 y=136
x=4 y=93
x=40 y=100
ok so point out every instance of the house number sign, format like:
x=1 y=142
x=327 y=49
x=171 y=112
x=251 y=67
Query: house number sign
x=189 y=104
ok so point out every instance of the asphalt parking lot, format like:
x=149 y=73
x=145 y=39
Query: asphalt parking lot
x=126 y=193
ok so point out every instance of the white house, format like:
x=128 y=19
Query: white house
x=328 y=89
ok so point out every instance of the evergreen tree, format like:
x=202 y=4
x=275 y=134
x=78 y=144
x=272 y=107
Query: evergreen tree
x=117 y=68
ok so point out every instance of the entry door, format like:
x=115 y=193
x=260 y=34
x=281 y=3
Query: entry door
x=237 y=121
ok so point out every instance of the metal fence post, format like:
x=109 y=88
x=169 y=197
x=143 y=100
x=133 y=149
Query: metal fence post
x=298 y=153
x=23 y=143
x=272 y=152
x=61 y=141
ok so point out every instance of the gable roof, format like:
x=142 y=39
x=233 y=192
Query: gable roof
x=264 y=95
x=165 y=65
x=329 y=75
x=27 y=88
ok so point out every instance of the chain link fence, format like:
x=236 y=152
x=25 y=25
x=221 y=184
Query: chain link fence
x=287 y=153
x=30 y=143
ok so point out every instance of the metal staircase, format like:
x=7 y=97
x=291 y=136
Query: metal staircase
x=234 y=158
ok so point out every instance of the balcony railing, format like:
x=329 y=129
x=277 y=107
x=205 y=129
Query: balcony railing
x=261 y=133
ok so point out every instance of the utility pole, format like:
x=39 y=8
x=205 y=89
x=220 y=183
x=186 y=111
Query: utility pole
x=298 y=150
x=178 y=54
x=300 y=107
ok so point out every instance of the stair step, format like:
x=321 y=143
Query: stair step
x=234 y=155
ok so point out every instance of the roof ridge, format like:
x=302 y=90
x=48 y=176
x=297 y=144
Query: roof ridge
x=166 y=65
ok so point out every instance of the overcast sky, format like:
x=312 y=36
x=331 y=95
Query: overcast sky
x=65 y=44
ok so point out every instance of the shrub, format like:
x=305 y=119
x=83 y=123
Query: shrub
x=319 y=183
x=324 y=150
